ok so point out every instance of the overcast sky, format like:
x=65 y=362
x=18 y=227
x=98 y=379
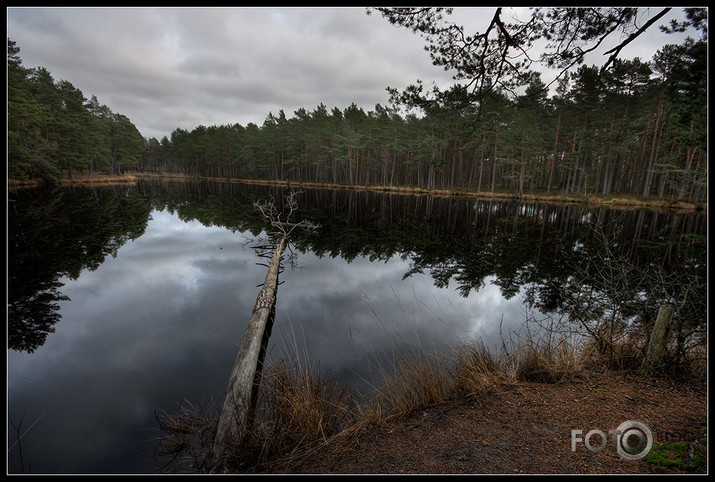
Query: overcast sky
x=182 y=67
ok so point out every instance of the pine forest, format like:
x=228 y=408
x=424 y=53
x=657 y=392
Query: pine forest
x=638 y=129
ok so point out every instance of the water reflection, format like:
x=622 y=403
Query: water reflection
x=154 y=287
x=55 y=233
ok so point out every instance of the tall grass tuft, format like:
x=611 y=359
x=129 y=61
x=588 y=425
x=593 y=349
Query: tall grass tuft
x=547 y=360
x=417 y=379
x=298 y=406
x=476 y=370
x=625 y=354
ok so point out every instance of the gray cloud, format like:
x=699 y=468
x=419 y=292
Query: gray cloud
x=180 y=67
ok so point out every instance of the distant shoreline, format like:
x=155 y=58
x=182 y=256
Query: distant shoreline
x=615 y=202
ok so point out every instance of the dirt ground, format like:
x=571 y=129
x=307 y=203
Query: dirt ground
x=524 y=429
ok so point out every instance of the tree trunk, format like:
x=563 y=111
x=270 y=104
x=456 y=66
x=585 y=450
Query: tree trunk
x=690 y=153
x=659 y=337
x=653 y=151
x=522 y=169
x=494 y=163
x=553 y=159
x=236 y=414
x=481 y=167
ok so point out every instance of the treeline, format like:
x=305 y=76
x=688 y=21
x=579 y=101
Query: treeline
x=623 y=132
x=638 y=129
x=52 y=127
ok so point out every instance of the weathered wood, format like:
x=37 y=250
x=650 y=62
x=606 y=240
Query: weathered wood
x=236 y=414
x=286 y=225
x=659 y=337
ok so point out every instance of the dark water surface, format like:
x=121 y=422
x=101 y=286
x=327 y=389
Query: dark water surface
x=124 y=301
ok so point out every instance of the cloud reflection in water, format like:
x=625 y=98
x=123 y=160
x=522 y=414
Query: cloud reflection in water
x=162 y=323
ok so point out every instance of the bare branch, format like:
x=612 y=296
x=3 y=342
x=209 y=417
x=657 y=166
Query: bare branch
x=616 y=50
x=498 y=57
x=270 y=213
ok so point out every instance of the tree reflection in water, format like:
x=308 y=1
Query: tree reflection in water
x=549 y=250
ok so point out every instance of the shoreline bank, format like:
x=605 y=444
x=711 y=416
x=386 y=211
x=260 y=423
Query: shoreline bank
x=613 y=202
x=525 y=428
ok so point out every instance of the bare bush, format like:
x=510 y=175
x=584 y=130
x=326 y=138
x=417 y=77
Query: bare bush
x=186 y=438
x=613 y=302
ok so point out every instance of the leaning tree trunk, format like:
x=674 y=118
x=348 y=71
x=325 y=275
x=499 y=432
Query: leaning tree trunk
x=236 y=414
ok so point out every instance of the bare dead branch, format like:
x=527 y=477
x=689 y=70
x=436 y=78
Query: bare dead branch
x=270 y=213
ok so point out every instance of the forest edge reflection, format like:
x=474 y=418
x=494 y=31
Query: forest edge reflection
x=60 y=231
x=612 y=201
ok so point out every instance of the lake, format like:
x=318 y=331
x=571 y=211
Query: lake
x=124 y=301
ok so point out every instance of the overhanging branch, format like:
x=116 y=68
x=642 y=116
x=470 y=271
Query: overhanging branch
x=617 y=49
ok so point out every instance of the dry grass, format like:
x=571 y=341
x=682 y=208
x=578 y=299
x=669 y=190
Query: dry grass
x=549 y=362
x=629 y=355
x=15 y=184
x=298 y=406
x=301 y=410
x=186 y=438
x=98 y=178
x=697 y=365
x=626 y=354
x=476 y=370
x=416 y=380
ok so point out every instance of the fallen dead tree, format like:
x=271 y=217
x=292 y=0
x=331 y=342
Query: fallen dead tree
x=236 y=415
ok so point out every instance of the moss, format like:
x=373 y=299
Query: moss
x=674 y=455
x=668 y=455
x=696 y=462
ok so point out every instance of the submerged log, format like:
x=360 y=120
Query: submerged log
x=236 y=414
